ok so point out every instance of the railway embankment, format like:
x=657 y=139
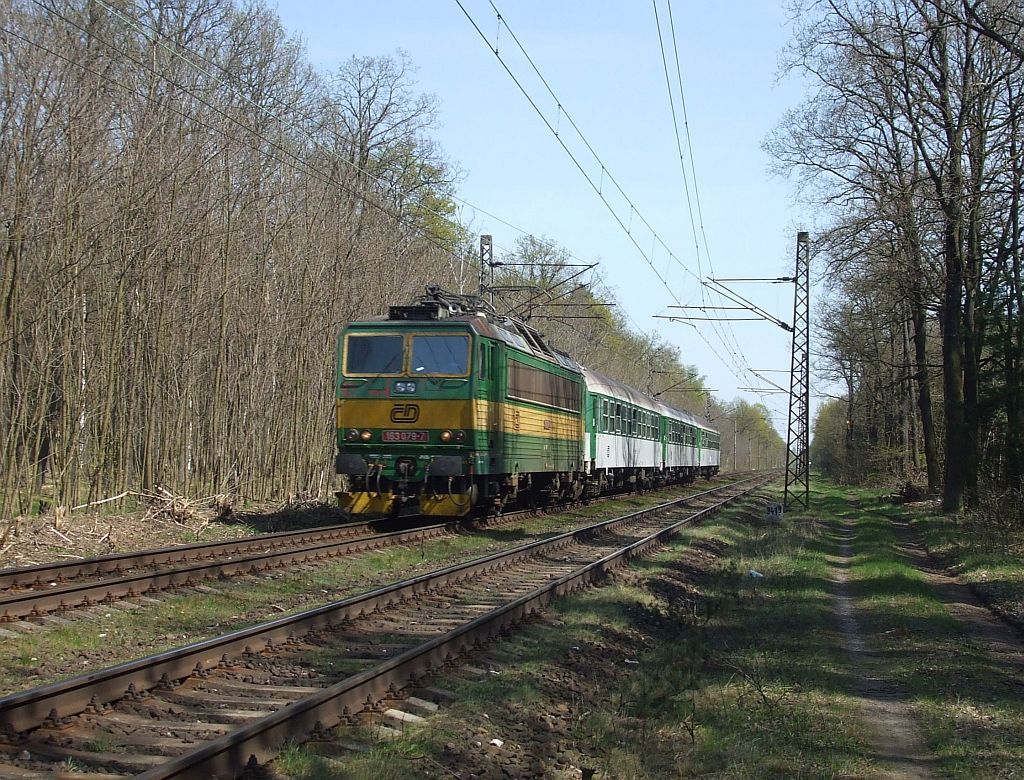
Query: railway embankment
x=827 y=645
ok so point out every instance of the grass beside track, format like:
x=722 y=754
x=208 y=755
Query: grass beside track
x=685 y=665
x=985 y=550
x=970 y=710
x=688 y=666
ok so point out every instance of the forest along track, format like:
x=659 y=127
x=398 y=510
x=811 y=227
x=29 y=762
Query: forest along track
x=29 y=595
x=207 y=708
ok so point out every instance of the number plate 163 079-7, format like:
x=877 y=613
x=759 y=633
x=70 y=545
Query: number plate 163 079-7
x=403 y=436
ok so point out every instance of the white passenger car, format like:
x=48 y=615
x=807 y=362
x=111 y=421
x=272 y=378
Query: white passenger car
x=630 y=437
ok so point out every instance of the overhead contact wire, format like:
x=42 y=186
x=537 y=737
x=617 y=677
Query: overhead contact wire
x=727 y=337
x=604 y=168
x=693 y=172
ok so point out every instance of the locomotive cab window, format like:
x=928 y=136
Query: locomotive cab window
x=373 y=354
x=439 y=355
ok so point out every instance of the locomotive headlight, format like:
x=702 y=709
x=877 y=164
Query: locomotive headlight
x=446 y=436
x=460 y=435
x=405 y=387
x=366 y=435
x=351 y=434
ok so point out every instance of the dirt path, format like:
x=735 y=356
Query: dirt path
x=1002 y=644
x=899 y=749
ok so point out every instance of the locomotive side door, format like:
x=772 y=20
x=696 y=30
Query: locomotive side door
x=497 y=377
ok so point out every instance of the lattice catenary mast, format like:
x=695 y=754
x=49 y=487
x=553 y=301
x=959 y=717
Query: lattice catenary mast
x=486 y=263
x=797 y=444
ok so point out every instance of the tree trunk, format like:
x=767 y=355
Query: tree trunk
x=922 y=378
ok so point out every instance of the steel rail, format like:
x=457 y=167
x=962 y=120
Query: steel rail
x=44 y=573
x=53 y=703
x=273 y=551
x=262 y=739
x=38 y=602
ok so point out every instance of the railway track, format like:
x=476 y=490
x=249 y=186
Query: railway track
x=32 y=593
x=149 y=579
x=213 y=707
x=59 y=573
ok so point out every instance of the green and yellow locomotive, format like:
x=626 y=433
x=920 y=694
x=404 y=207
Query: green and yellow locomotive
x=456 y=409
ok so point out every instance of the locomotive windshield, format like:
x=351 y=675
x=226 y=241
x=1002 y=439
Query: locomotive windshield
x=440 y=355
x=373 y=354
x=378 y=354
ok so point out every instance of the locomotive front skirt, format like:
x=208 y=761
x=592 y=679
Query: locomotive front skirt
x=466 y=414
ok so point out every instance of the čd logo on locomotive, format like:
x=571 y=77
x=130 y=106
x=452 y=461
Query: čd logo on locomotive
x=405 y=413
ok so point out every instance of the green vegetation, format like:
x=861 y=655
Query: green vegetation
x=968 y=706
x=748 y=695
x=390 y=761
x=685 y=665
x=101 y=744
x=986 y=549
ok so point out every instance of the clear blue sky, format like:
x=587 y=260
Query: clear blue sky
x=603 y=61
